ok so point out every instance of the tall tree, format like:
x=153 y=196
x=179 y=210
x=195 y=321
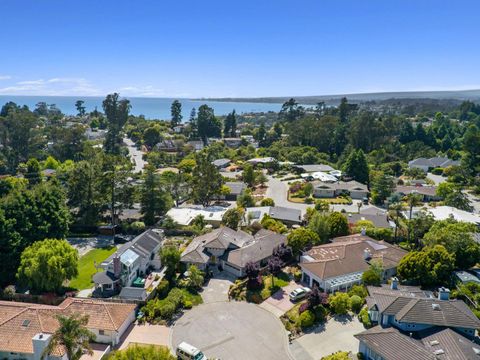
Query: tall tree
x=230 y=125
x=176 y=111
x=73 y=336
x=80 y=107
x=154 y=200
x=116 y=111
x=46 y=265
x=206 y=180
x=356 y=166
x=33 y=175
x=207 y=124
x=291 y=111
x=470 y=142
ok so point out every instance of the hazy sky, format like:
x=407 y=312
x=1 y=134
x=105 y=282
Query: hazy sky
x=223 y=48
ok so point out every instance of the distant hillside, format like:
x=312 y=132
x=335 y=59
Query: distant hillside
x=461 y=95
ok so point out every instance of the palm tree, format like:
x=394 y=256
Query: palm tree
x=72 y=335
x=412 y=199
x=397 y=208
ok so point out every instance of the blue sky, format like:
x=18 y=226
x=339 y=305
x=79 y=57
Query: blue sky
x=167 y=48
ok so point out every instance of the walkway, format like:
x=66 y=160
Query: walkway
x=135 y=155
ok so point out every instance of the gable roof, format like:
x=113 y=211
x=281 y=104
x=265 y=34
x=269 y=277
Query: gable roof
x=422 y=190
x=342 y=185
x=265 y=241
x=379 y=221
x=20 y=322
x=236 y=188
x=434 y=162
x=221 y=162
x=310 y=168
x=392 y=345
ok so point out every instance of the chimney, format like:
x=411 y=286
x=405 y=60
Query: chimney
x=394 y=283
x=117 y=266
x=363 y=231
x=40 y=342
x=366 y=254
x=443 y=293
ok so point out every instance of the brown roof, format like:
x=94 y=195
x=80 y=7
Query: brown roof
x=346 y=255
x=20 y=322
x=423 y=190
x=391 y=344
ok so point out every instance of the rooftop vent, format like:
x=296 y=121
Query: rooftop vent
x=476 y=350
x=436 y=307
x=434 y=342
x=26 y=323
x=439 y=352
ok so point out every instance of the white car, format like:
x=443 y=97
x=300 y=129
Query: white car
x=186 y=351
x=299 y=293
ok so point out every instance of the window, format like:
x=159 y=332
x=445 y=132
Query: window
x=101 y=332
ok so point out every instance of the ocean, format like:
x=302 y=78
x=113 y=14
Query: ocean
x=151 y=108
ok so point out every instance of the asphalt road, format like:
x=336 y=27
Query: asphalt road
x=135 y=155
x=233 y=331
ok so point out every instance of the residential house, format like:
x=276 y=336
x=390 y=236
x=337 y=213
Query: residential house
x=427 y=193
x=262 y=161
x=133 y=259
x=221 y=163
x=313 y=168
x=379 y=221
x=414 y=324
x=448 y=212
x=231 y=250
x=288 y=216
x=185 y=215
x=429 y=164
x=26 y=329
x=341 y=264
x=236 y=189
x=233 y=143
x=169 y=145
x=465 y=277
x=197 y=145
x=354 y=189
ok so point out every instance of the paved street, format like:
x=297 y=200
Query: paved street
x=135 y=155
x=277 y=190
x=233 y=330
x=335 y=335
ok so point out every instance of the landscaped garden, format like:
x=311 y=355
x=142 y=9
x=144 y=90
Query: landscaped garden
x=86 y=267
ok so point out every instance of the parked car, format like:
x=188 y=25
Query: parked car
x=299 y=293
x=186 y=351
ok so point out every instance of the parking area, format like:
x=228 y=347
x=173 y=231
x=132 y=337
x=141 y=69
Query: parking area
x=145 y=334
x=337 y=334
x=279 y=303
x=233 y=330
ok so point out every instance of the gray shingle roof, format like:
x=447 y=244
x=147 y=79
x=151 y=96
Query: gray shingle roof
x=379 y=221
x=285 y=213
x=393 y=345
x=221 y=162
x=236 y=188
x=132 y=293
x=315 y=168
x=261 y=248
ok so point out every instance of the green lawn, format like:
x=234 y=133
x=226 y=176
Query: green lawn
x=86 y=267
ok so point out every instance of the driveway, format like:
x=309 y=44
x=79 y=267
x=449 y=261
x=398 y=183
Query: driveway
x=145 y=334
x=279 y=303
x=234 y=331
x=217 y=288
x=335 y=335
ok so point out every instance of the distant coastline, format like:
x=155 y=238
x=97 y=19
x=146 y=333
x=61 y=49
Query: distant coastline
x=360 y=97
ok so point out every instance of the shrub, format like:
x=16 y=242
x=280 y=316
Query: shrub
x=137 y=226
x=356 y=303
x=176 y=296
x=267 y=202
x=364 y=318
x=306 y=319
x=359 y=290
x=437 y=171
x=187 y=304
x=162 y=288
x=309 y=200
x=166 y=309
x=339 y=303
x=320 y=313
x=303 y=307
